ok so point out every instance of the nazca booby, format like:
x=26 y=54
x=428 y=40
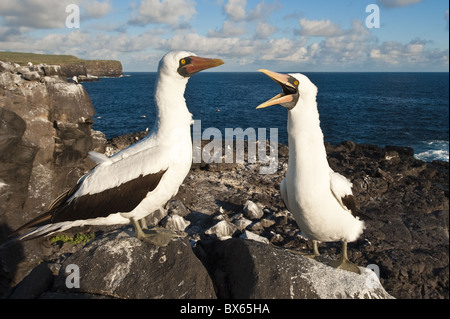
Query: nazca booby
x=138 y=180
x=320 y=199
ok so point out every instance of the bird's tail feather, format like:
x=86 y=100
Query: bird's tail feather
x=41 y=231
x=36 y=222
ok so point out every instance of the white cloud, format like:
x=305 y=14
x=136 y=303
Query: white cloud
x=232 y=46
x=414 y=53
x=264 y=30
x=96 y=9
x=397 y=3
x=49 y=14
x=346 y=49
x=319 y=28
x=33 y=14
x=229 y=29
x=284 y=49
x=170 y=12
x=246 y=38
x=262 y=11
x=235 y=9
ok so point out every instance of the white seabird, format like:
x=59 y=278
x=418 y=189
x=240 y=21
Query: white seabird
x=320 y=199
x=133 y=183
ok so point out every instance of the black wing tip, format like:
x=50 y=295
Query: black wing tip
x=36 y=222
x=350 y=202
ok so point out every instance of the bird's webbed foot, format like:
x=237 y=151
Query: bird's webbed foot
x=156 y=236
x=344 y=264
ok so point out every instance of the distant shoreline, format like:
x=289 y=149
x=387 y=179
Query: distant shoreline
x=70 y=64
x=23 y=58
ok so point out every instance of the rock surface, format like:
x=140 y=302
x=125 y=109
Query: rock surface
x=245 y=269
x=405 y=200
x=121 y=266
x=45 y=135
x=104 y=68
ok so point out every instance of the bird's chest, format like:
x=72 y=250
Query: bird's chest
x=307 y=191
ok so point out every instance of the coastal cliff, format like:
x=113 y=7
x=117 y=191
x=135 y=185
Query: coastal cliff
x=69 y=65
x=45 y=135
x=98 y=68
x=236 y=232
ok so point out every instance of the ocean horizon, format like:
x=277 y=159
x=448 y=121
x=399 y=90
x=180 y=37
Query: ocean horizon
x=380 y=108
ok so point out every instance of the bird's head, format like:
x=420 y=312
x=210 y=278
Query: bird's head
x=296 y=87
x=182 y=64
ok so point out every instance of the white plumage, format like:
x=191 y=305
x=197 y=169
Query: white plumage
x=320 y=199
x=141 y=178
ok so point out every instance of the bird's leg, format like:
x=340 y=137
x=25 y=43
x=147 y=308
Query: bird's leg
x=314 y=254
x=155 y=236
x=143 y=223
x=315 y=248
x=343 y=262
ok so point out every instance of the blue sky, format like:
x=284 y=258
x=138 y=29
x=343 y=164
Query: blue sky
x=284 y=35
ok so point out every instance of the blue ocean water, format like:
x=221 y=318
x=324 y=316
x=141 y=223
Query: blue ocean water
x=402 y=109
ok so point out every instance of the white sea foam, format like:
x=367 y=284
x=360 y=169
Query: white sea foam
x=434 y=150
x=2 y=185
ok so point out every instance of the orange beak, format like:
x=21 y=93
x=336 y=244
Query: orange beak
x=198 y=64
x=283 y=80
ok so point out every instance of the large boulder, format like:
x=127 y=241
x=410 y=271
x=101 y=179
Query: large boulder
x=246 y=269
x=121 y=266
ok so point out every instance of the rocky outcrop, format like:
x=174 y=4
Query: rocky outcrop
x=45 y=135
x=121 y=266
x=73 y=69
x=405 y=200
x=65 y=65
x=108 y=68
x=118 y=265
x=219 y=208
x=247 y=269
x=105 y=68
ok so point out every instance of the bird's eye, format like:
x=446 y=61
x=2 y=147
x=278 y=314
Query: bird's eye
x=296 y=83
x=183 y=61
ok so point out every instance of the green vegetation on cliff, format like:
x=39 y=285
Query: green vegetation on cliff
x=23 y=58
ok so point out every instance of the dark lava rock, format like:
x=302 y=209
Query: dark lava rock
x=245 y=269
x=45 y=136
x=121 y=266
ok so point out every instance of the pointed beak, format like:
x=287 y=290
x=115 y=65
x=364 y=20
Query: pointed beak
x=283 y=81
x=199 y=64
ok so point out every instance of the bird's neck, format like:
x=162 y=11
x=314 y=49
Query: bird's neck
x=307 y=154
x=171 y=106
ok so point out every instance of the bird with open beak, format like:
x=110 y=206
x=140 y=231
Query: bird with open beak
x=320 y=199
